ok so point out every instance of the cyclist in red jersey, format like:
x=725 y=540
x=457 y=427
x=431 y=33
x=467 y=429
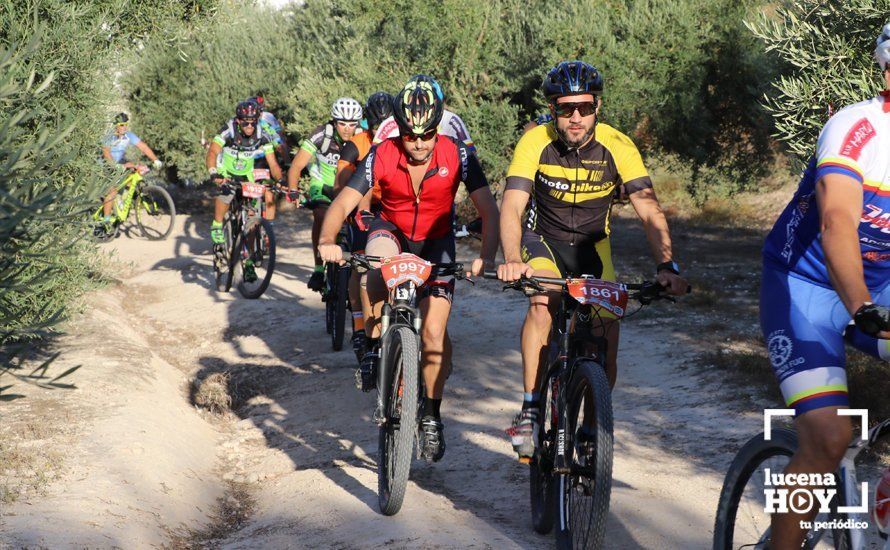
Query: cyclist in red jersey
x=418 y=175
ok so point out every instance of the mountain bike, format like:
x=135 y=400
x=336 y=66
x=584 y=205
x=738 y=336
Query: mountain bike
x=400 y=387
x=335 y=294
x=151 y=205
x=248 y=255
x=570 y=474
x=741 y=520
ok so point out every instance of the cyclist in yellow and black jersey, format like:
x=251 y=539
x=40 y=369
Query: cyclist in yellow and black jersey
x=571 y=191
x=571 y=168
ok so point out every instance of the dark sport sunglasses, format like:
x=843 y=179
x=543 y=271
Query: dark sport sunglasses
x=426 y=136
x=247 y=122
x=566 y=110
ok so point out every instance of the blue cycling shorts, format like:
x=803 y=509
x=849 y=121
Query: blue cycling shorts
x=805 y=327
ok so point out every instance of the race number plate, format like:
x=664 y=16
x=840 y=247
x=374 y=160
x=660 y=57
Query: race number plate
x=606 y=295
x=252 y=190
x=260 y=174
x=405 y=267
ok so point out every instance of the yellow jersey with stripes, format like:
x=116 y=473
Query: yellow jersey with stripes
x=572 y=188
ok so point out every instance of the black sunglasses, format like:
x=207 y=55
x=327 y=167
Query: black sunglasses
x=247 y=122
x=426 y=136
x=566 y=110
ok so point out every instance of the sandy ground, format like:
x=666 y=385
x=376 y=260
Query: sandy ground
x=136 y=464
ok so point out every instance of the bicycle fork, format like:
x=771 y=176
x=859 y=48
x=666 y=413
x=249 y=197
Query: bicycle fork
x=562 y=463
x=384 y=368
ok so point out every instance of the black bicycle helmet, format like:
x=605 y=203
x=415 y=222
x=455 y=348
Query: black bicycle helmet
x=418 y=107
x=378 y=108
x=247 y=110
x=121 y=118
x=572 y=78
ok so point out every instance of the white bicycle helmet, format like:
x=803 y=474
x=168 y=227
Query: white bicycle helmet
x=882 y=51
x=346 y=108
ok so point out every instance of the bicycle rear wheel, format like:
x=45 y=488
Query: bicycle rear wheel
x=340 y=299
x=396 y=435
x=741 y=521
x=583 y=495
x=256 y=260
x=541 y=466
x=155 y=212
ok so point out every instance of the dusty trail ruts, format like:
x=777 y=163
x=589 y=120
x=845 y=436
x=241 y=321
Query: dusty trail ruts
x=302 y=444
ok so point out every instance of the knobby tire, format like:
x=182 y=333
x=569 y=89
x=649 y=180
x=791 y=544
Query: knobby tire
x=583 y=524
x=396 y=436
x=154 y=202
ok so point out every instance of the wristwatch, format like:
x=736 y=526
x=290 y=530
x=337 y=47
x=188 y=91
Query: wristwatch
x=669 y=265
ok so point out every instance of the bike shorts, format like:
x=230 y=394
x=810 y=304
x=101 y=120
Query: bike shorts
x=567 y=259
x=320 y=194
x=805 y=326
x=357 y=238
x=437 y=251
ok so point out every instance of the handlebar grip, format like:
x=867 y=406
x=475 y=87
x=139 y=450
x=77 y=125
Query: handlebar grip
x=489 y=274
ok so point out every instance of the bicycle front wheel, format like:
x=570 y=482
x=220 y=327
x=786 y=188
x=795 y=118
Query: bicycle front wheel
x=224 y=255
x=396 y=435
x=540 y=471
x=155 y=212
x=328 y=295
x=340 y=297
x=583 y=494
x=257 y=259
x=741 y=521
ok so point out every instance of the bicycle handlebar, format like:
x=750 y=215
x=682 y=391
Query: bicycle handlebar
x=645 y=292
x=363 y=260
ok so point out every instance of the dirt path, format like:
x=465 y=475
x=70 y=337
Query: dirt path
x=147 y=468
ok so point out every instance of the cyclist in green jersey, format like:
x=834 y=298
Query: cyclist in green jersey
x=320 y=152
x=240 y=143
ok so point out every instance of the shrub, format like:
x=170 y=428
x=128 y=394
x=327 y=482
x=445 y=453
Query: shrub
x=56 y=86
x=674 y=84
x=828 y=49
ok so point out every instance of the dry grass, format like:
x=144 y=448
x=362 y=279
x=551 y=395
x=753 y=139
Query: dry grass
x=212 y=393
x=232 y=511
x=27 y=469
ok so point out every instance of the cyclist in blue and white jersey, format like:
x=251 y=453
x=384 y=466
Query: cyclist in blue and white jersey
x=114 y=148
x=272 y=125
x=826 y=269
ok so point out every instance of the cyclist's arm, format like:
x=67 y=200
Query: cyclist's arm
x=480 y=193
x=520 y=183
x=512 y=208
x=655 y=224
x=296 y=168
x=212 y=154
x=367 y=201
x=839 y=197
x=344 y=172
x=273 y=165
x=345 y=165
x=106 y=152
x=343 y=204
x=487 y=208
x=146 y=150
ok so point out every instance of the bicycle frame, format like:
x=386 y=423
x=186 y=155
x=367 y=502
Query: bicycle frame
x=565 y=342
x=126 y=192
x=850 y=483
